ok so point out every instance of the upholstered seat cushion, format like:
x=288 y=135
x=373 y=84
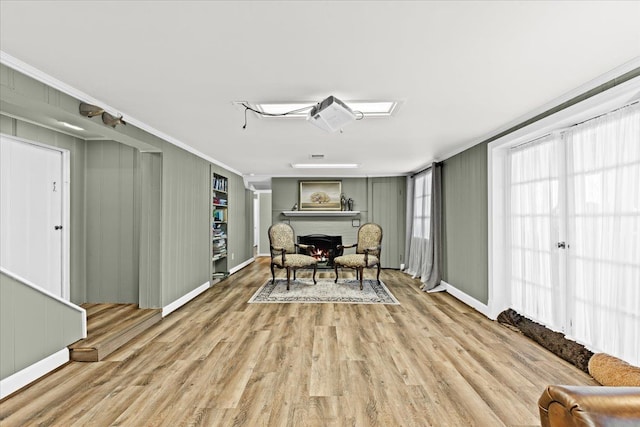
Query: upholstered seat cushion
x=355 y=260
x=294 y=260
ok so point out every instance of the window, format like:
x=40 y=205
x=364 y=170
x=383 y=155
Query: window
x=603 y=217
x=422 y=205
x=533 y=229
x=418 y=264
x=574 y=232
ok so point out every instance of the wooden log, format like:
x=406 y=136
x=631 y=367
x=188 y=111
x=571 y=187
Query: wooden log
x=555 y=342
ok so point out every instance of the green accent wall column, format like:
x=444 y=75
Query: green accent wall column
x=150 y=230
x=186 y=246
x=464 y=217
x=112 y=218
x=388 y=206
x=265 y=222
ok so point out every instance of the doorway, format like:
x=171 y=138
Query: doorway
x=34 y=213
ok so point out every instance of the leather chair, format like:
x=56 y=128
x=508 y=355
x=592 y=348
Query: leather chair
x=589 y=406
x=284 y=253
x=367 y=253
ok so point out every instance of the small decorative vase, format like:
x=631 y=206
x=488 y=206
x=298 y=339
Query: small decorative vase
x=350 y=204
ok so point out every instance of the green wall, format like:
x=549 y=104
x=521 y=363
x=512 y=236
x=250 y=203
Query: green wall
x=185 y=223
x=33 y=326
x=465 y=232
x=112 y=220
x=150 y=173
x=265 y=222
x=387 y=207
x=240 y=223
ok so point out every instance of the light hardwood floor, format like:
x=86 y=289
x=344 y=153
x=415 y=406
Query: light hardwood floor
x=219 y=361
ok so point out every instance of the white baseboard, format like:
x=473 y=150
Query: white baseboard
x=31 y=373
x=168 y=309
x=469 y=300
x=241 y=266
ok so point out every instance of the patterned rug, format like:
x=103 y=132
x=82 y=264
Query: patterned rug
x=346 y=291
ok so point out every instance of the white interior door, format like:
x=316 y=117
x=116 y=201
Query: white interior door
x=31 y=219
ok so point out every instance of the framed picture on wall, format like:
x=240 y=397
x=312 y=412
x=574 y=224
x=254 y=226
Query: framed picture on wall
x=320 y=195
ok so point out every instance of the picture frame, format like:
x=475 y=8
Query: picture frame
x=320 y=195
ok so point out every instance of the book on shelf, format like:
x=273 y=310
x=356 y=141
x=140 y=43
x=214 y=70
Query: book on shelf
x=220 y=184
x=219 y=215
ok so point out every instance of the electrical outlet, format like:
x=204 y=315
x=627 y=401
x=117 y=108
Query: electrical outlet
x=233 y=256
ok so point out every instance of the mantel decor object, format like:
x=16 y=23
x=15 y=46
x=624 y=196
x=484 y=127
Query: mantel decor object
x=320 y=195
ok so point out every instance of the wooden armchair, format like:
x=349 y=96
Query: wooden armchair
x=367 y=254
x=283 y=247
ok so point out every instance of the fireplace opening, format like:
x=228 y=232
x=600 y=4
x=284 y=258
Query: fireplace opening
x=325 y=247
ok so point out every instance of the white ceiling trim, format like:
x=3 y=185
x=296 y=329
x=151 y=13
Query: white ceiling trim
x=34 y=73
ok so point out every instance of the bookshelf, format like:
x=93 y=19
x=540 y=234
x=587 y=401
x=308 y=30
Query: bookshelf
x=219 y=218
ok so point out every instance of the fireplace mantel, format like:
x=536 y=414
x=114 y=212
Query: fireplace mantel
x=320 y=213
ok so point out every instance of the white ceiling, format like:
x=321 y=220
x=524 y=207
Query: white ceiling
x=461 y=70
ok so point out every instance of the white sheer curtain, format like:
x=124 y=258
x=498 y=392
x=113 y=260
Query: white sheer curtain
x=534 y=230
x=420 y=225
x=603 y=157
x=582 y=188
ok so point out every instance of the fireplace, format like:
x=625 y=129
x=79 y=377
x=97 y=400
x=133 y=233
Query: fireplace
x=326 y=247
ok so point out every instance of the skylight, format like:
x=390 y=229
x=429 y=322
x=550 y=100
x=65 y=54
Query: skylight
x=295 y=109
x=301 y=109
x=373 y=108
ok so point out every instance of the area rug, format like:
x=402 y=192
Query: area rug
x=346 y=291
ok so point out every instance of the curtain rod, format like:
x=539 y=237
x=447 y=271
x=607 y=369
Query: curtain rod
x=425 y=169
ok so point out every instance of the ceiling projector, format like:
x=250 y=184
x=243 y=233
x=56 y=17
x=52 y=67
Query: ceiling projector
x=331 y=114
